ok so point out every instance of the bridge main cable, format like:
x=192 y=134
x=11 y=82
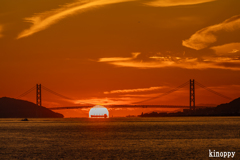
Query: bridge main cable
x=27 y=92
x=55 y=93
x=125 y=106
x=60 y=95
x=210 y=90
x=164 y=94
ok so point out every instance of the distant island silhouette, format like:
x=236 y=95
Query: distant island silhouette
x=15 y=108
x=228 y=109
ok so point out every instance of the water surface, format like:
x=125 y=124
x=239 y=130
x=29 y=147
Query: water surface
x=119 y=138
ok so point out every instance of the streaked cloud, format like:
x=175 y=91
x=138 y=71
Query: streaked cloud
x=143 y=95
x=105 y=101
x=232 y=63
x=115 y=59
x=44 y=20
x=227 y=49
x=134 y=90
x=169 y=3
x=206 y=36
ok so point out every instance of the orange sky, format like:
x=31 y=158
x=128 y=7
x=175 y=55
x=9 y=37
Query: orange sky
x=119 y=51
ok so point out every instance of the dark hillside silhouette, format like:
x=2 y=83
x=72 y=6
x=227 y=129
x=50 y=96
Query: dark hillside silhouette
x=15 y=108
x=228 y=109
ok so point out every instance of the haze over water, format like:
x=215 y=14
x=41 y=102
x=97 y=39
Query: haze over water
x=119 y=138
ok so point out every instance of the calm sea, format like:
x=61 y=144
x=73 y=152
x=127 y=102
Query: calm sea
x=119 y=138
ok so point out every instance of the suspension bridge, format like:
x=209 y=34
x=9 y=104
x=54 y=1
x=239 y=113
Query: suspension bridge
x=38 y=88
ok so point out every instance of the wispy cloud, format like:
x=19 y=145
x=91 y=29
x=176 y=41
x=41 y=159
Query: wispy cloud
x=227 y=49
x=120 y=59
x=106 y=101
x=232 y=63
x=134 y=90
x=168 y=3
x=43 y=20
x=206 y=36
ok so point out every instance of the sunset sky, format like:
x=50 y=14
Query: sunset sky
x=119 y=51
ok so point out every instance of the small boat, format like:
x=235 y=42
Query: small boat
x=25 y=119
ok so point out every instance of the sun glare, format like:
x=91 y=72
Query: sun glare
x=98 y=112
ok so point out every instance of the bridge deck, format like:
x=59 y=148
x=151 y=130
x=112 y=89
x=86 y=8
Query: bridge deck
x=129 y=106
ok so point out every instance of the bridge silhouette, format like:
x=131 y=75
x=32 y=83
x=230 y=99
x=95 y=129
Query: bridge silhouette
x=38 y=88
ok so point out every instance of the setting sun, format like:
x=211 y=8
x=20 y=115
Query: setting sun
x=98 y=112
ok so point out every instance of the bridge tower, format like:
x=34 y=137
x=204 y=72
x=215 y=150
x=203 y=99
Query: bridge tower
x=192 y=95
x=38 y=94
x=38 y=97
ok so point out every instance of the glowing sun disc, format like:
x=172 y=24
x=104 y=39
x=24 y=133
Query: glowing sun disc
x=98 y=112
